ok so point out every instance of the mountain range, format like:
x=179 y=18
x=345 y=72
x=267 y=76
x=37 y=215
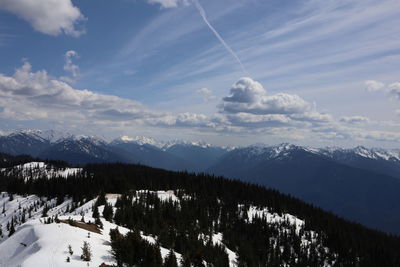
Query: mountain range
x=80 y=150
x=359 y=184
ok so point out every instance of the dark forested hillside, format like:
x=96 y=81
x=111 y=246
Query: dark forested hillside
x=150 y=156
x=211 y=204
x=200 y=157
x=365 y=196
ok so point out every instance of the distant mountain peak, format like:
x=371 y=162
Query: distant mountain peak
x=51 y=136
x=140 y=140
x=171 y=143
x=361 y=151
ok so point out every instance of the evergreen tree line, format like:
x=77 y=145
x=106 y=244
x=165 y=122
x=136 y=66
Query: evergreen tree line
x=188 y=227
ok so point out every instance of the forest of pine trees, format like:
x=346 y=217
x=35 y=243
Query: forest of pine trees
x=210 y=200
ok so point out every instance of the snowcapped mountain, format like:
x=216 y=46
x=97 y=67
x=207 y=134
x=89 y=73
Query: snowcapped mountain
x=179 y=154
x=81 y=150
x=27 y=143
x=175 y=142
x=350 y=183
x=370 y=153
x=201 y=155
x=143 y=151
x=374 y=159
x=140 y=140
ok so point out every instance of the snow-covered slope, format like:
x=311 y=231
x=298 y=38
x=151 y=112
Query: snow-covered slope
x=36 y=243
x=140 y=140
x=39 y=243
x=369 y=153
x=40 y=169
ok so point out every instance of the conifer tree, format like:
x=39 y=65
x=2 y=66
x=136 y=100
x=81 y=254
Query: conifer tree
x=101 y=200
x=171 y=260
x=70 y=251
x=108 y=212
x=95 y=211
x=12 y=228
x=86 y=252
x=45 y=210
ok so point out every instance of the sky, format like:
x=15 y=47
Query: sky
x=228 y=72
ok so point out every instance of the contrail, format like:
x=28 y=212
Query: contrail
x=204 y=16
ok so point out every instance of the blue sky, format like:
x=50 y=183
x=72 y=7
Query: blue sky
x=315 y=72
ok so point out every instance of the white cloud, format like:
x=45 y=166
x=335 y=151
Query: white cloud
x=51 y=17
x=394 y=89
x=206 y=93
x=355 y=119
x=372 y=85
x=69 y=66
x=36 y=95
x=249 y=103
x=249 y=96
x=168 y=3
x=27 y=95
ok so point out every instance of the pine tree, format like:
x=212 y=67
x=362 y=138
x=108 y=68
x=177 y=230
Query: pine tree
x=70 y=251
x=101 y=200
x=171 y=261
x=185 y=262
x=108 y=212
x=98 y=222
x=12 y=228
x=86 y=252
x=95 y=212
x=45 y=210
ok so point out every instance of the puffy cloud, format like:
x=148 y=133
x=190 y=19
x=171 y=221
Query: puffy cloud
x=69 y=66
x=27 y=95
x=51 y=17
x=394 y=90
x=35 y=95
x=249 y=96
x=355 y=119
x=249 y=103
x=246 y=90
x=206 y=93
x=372 y=85
x=169 y=3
